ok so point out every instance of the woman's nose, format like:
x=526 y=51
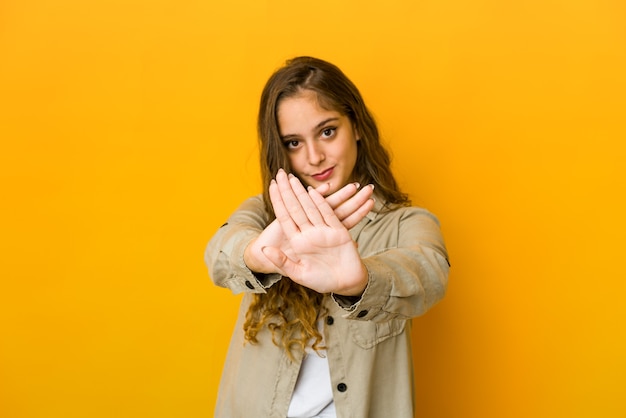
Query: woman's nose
x=315 y=153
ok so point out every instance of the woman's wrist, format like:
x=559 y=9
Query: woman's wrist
x=357 y=289
x=249 y=259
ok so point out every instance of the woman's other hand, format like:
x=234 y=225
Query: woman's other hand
x=350 y=204
x=320 y=254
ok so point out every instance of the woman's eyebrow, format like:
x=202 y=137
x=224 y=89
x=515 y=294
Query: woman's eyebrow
x=324 y=122
x=316 y=127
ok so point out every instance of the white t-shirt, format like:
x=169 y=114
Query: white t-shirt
x=313 y=394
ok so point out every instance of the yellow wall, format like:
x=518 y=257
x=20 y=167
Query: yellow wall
x=127 y=136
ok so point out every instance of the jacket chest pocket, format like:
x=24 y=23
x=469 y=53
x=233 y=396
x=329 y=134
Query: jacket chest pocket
x=366 y=334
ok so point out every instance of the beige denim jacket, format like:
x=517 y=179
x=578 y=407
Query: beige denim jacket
x=368 y=342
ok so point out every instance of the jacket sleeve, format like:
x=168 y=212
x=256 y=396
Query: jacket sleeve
x=224 y=253
x=406 y=277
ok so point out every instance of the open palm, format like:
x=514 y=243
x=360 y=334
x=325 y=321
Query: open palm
x=350 y=205
x=321 y=254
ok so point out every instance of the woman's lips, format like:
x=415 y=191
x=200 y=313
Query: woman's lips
x=324 y=175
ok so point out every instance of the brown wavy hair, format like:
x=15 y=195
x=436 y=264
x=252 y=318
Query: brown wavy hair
x=291 y=311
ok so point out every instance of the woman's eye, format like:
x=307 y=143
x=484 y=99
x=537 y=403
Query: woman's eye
x=328 y=132
x=292 y=144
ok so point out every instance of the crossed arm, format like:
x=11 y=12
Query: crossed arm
x=309 y=240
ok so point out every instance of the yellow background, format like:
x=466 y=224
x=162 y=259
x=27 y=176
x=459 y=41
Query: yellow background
x=128 y=135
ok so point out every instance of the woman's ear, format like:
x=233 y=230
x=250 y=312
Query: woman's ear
x=356 y=133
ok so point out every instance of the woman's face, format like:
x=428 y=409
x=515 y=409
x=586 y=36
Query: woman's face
x=321 y=144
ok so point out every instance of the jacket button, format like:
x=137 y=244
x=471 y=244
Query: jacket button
x=362 y=313
x=249 y=285
x=330 y=320
x=342 y=387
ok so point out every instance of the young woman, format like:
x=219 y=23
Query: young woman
x=332 y=272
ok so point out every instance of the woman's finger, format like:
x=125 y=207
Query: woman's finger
x=326 y=211
x=312 y=212
x=323 y=189
x=283 y=217
x=284 y=264
x=354 y=203
x=356 y=216
x=341 y=195
x=292 y=205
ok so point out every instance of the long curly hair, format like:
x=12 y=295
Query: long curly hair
x=291 y=311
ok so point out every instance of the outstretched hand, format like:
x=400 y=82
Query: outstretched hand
x=320 y=253
x=349 y=203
